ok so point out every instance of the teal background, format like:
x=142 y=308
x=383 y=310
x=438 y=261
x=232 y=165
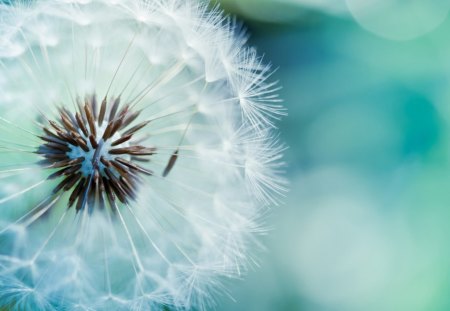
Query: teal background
x=366 y=224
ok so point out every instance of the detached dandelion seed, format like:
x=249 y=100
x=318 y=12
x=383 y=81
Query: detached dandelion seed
x=137 y=154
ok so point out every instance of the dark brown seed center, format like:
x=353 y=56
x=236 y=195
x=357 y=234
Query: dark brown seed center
x=93 y=153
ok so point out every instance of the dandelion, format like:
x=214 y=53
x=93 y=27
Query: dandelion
x=136 y=154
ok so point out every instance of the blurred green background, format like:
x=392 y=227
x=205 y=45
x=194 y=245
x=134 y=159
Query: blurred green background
x=366 y=224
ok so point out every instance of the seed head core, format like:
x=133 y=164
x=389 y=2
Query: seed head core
x=94 y=153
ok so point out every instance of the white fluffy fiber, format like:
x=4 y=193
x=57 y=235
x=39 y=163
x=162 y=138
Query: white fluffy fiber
x=186 y=66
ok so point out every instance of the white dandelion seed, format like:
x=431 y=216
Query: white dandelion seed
x=136 y=155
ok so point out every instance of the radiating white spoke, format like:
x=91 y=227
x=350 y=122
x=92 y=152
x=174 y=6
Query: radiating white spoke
x=19 y=193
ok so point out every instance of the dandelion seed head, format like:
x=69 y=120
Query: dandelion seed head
x=138 y=156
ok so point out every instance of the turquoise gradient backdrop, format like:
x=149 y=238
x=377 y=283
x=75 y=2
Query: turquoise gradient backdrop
x=366 y=225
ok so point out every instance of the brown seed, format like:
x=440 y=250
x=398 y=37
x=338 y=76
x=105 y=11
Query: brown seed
x=63 y=148
x=81 y=124
x=91 y=121
x=50 y=133
x=68 y=162
x=109 y=194
x=105 y=162
x=134 y=150
x=76 y=192
x=171 y=163
x=53 y=139
x=94 y=143
x=130 y=117
x=116 y=125
x=116 y=186
x=101 y=116
x=93 y=103
x=128 y=187
x=100 y=191
x=67 y=138
x=124 y=111
x=122 y=170
x=62 y=184
x=107 y=134
x=82 y=143
x=72 y=181
x=56 y=126
x=83 y=195
x=65 y=171
x=121 y=140
x=67 y=123
x=136 y=128
x=134 y=166
x=114 y=108
x=55 y=156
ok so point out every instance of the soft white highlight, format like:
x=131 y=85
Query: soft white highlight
x=187 y=69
